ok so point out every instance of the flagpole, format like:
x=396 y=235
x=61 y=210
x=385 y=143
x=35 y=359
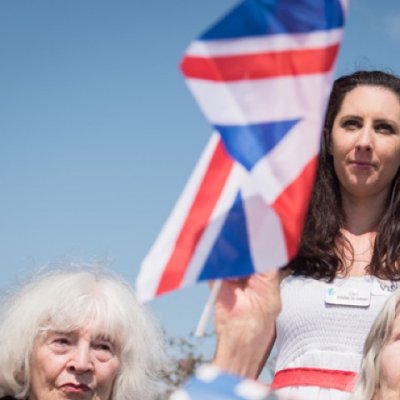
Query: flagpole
x=205 y=315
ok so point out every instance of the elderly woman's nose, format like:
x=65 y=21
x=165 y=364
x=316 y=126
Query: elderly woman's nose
x=81 y=360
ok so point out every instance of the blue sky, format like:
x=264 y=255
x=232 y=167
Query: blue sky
x=98 y=132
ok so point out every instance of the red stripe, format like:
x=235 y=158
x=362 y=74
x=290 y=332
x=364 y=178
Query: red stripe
x=260 y=65
x=324 y=378
x=292 y=205
x=207 y=196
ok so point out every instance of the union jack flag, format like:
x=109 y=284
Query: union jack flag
x=262 y=76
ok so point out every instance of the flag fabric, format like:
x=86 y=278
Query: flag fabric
x=262 y=76
x=212 y=384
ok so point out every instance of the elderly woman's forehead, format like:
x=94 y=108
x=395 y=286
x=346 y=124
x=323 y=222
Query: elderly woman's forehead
x=89 y=330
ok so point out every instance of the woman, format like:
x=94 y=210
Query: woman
x=77 y=334
x=379 y=377
x=347 y=262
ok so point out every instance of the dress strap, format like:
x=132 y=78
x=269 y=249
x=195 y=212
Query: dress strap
x=324 y=378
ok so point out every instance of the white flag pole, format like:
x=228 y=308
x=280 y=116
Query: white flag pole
x=205 y=315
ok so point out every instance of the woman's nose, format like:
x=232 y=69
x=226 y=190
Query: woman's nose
x=365 y=140
x=80 y=361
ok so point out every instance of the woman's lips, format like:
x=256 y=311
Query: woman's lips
x=362 y=165
x=75 y=388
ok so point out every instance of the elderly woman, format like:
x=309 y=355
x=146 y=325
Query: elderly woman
x=77 y=334
x=380 y=368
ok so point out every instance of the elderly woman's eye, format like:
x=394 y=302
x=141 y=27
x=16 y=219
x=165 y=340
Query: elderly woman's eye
x=103 y=346
x=61 y=341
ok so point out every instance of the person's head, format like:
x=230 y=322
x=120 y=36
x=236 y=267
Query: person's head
x=80 y=334
x=379 y=377
x=346 y=83
x=360 y=158
x=363 y=117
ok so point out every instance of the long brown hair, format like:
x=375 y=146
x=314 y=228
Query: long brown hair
x=319 y=253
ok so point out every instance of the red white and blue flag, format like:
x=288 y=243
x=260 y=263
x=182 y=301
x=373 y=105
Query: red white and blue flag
x=262 y=76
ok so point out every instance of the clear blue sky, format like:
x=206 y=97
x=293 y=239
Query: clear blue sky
x=98 y=132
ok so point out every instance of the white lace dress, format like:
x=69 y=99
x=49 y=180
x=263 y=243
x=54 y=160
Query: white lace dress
x=313 y=333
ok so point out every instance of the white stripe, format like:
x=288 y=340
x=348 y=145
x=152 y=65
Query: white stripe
x=284 y=163
x=180 y=395
x=208 y=373
x=256 y=101
x=235 y=180
x=266 y=237
x=155 y=261
x=262 y=44
x=345 y=7
x=251 y=390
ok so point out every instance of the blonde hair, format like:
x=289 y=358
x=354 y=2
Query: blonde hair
x=66 y=299
x=378 y=337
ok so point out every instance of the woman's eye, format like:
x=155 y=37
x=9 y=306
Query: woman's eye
x=61 y=341
x=351 y=124
x=104 y=347
x=104 y=351
x=385 y=129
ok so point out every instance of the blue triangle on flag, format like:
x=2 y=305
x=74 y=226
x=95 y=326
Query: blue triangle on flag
x=247 y=144
x=230 y=255
x=272 y=17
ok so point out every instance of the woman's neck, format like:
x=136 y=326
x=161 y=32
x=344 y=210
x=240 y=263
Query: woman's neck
x=362 y=215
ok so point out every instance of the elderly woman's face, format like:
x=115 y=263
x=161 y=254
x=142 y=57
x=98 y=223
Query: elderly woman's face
x=73 y=365
x=389 y=379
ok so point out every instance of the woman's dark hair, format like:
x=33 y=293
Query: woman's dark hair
x=322 y=244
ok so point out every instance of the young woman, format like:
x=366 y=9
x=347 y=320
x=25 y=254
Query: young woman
x=348 y=262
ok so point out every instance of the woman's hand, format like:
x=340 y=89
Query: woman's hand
x=245 y=314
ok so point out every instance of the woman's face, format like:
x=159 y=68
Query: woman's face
x=389 y=379
x=74 y=365
x=365 y=141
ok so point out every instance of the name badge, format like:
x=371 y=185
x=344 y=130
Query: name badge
x=384 y=288
x=356 y=296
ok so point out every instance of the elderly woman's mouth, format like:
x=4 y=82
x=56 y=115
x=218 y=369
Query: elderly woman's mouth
x=75 y=388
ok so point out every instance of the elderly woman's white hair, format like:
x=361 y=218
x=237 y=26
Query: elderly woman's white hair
x=71 y=298
x=378 y=337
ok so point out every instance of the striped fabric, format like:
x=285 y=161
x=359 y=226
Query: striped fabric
x=262 y=76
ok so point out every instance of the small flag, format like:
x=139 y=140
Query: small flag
x=213 y=384
x=262 y=76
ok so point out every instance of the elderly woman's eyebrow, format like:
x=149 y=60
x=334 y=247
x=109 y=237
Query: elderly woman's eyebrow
x=103 y=338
